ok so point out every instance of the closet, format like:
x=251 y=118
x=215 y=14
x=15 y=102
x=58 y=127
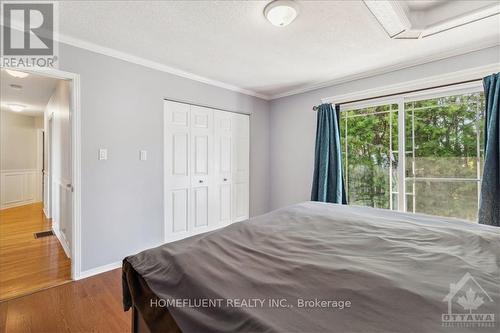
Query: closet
x=206 y=169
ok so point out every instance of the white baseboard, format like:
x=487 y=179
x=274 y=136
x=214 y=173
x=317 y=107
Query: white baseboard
x=17 y=204
x=62 y=241
x=111 y=266
x=100 y=269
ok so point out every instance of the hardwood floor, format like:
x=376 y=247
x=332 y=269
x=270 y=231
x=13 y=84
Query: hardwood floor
x=28 y=264
x=89 y=305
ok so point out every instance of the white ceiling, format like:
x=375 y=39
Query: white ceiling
x=35 y=93
x=231 y=41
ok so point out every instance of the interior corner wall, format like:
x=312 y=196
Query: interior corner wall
x=293 y=123
x=122 y=111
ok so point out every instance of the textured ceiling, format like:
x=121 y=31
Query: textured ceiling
x=231 y=41
x=35 y=93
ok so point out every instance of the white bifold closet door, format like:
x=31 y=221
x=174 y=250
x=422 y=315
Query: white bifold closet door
x=206 y=165
x=240 y=169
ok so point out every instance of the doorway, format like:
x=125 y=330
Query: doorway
x=36 y=201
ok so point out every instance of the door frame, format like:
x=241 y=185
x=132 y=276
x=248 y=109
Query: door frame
x=50 y=203
x=76 y=152
x=39 y=163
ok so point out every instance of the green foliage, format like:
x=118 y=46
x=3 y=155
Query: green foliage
x=368 y=161
x=442 y=140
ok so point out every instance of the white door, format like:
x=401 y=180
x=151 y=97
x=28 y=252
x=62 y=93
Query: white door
x=223 y=138
x=60 y=164
x=240 y=167
x=201 y=168
x=49 y=165
x=177 y=165
x=206 y=162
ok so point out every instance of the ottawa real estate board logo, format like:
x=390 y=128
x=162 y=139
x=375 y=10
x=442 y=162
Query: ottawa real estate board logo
x=465 y=301
x=28 y=34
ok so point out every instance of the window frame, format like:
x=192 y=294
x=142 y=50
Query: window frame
x=401 y=100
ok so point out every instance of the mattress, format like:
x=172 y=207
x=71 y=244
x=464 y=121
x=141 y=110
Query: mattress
x=317 y=267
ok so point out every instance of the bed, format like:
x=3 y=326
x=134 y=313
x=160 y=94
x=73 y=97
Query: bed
x=317 y=267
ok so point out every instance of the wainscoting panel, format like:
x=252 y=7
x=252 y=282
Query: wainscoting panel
x=20 y=187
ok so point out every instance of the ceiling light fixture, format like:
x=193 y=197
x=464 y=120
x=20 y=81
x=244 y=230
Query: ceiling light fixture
x=16 y=107
x=281 y=12
x=17 y=74
x=390 y=15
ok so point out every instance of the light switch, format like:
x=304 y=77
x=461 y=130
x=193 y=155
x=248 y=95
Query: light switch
x=143 y=155
x=103 y=154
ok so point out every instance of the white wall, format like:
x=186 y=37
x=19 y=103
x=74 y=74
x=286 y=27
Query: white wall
x=122 y=110
x=59 y=164
x=20 y=173
x=293 y=123
x=18 y=141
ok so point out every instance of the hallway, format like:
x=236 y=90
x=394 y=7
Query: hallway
x=28 y=264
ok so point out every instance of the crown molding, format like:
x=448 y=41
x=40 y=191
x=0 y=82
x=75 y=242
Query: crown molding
x=153 y=64
x=389 y=69
x=399 y=88
x=76 y=42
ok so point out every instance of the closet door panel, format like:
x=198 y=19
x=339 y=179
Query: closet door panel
x=201 y=206
x=200 y=151
x=241 y=201
x=177 y=114
x=224 y=204
x=176 y=169
x=179 y=210
x=240 y=169
x=225 y=144
x=241 y=159
x=201 y=145
x=179 y=155
x=202 y=168
x=223 y=136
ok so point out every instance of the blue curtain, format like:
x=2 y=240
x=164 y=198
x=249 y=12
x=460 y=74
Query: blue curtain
x=328 y=181
x=489 y=208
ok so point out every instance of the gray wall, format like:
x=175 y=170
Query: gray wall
x=122 y=110
x=293 y=123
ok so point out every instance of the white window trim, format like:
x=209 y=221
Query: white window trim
x=401 y=156
x=457 y=89
x=400 y=100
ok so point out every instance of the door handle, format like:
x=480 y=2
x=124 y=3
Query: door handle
x=200 y=181
x=69 y=187
x=225 y=179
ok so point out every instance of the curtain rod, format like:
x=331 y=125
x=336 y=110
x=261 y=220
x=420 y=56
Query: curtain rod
x=315 y=108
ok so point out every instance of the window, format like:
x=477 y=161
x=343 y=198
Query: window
x=441 y=140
